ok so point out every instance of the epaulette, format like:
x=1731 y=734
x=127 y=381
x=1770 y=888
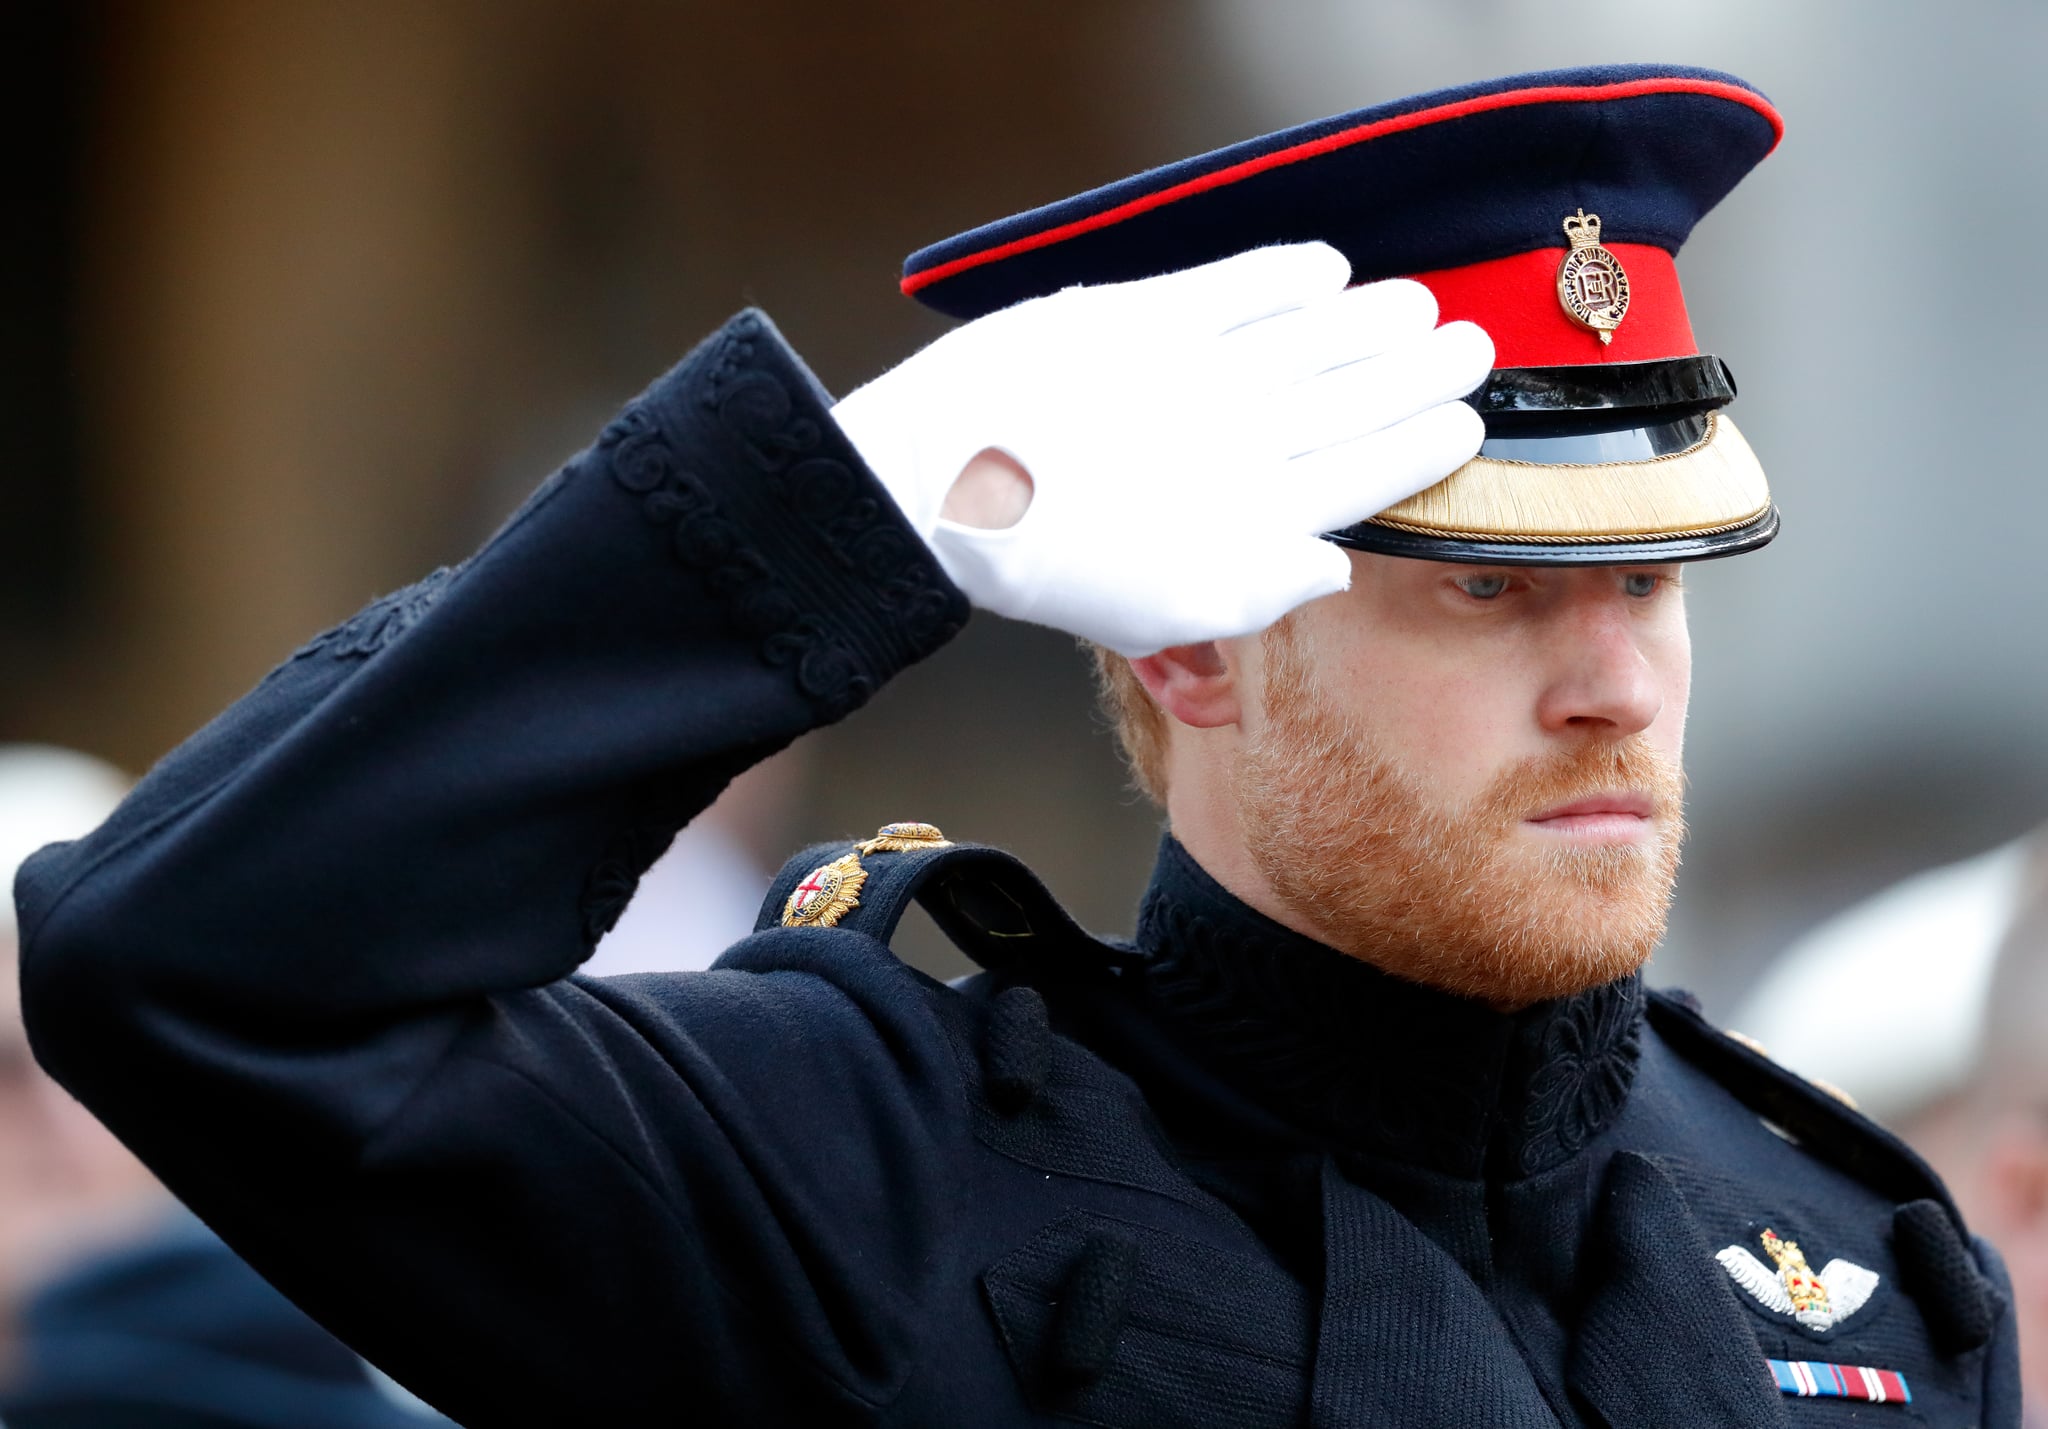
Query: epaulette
x=992 y=907
x=1818 y=1118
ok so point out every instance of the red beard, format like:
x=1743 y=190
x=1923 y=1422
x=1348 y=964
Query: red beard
x=1458 y=900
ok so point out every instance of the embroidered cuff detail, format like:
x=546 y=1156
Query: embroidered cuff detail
x=805 y=550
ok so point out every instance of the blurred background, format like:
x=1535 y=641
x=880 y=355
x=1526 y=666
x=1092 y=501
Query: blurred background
x=301 y=299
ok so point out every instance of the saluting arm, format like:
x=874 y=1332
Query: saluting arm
x=451 y=793
x=291 y=970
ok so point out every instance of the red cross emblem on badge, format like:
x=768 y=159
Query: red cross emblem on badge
x=811 y=887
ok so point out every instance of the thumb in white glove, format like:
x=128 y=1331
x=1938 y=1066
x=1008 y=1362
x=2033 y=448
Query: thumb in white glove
x=1187 y=440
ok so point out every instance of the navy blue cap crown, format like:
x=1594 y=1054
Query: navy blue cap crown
x=1435 y=181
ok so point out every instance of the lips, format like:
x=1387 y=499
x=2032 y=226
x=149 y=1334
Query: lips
x=1627 y=804
x=1615 y=818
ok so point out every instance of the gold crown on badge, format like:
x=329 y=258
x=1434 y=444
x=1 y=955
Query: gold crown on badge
x=1801 y=1284
x=1583 y=229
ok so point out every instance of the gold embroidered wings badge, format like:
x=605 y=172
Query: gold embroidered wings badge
x=1819 y=1302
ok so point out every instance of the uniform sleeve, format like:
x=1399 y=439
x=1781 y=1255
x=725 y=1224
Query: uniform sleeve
x=316 y=970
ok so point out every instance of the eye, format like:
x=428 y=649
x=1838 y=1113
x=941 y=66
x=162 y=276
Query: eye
x=1641 y=584
x=1484 y=586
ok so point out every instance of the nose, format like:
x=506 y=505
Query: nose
x=1601 y=680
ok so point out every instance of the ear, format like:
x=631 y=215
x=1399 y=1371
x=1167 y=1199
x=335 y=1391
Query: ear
x=1193 y=683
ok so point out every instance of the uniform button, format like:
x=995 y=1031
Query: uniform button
x=1941 y=1273
x=1095 y=1299
x=1016 y=1050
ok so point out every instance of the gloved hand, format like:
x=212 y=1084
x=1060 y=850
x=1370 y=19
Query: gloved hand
x=1187 y=438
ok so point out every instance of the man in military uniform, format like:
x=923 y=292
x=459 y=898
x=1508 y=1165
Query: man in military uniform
x=1371 y=1124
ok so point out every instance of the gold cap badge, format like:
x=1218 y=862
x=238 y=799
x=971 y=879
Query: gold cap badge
x=1591 y=286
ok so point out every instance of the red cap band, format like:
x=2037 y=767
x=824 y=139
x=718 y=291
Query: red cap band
x=1515 y=300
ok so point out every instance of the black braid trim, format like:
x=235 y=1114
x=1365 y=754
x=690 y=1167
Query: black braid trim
x=380 y=623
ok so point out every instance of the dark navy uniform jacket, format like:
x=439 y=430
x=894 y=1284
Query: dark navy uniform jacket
x=320 y=971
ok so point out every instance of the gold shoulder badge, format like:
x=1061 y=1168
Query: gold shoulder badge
x=1762 y=1051
x=832 y=891
x=1590 y=282
x=828 y=894
x=1819 y=1302
x=902 y=838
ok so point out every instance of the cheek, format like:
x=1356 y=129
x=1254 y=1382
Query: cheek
x=1451 y=724
x=1670 y=660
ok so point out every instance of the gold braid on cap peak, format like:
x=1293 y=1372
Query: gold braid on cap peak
x=1505 y=540
x=1716 y=484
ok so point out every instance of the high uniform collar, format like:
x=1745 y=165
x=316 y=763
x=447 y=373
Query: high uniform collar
x=1373 y=1063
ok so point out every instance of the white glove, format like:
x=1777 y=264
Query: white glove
x=1188 y=437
